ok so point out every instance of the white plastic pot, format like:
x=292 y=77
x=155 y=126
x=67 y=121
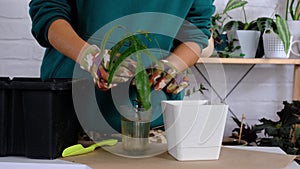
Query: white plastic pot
x=247 y=40
x=194 y=129
x=274 y=47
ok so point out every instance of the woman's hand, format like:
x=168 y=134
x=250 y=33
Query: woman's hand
x=98 y=66
x=167 y=76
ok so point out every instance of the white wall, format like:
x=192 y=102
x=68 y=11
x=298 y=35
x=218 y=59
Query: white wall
x=259 y=95
x=20 y=55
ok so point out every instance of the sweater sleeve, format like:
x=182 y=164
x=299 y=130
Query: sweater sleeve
x=43 y=13
x=196 y=27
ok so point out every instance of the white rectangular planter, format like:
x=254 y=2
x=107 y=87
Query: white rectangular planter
x=194 y=129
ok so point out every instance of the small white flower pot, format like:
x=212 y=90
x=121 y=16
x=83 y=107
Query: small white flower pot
x=194 y=129
x=248 y=41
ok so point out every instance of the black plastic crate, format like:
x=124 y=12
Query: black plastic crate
x=4 y=105
x=15 y=124
x=43 y=121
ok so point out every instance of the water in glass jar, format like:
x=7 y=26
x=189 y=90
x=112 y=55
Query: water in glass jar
x=135 y=135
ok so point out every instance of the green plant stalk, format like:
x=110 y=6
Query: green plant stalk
x=245 y=16
x=297 y=12
x=286 y=9
x=294 y=13
x=291 y=9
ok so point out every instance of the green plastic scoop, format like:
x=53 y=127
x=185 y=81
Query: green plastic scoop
x=79 y=149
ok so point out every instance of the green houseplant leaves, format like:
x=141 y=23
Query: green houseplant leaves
x=219 y=18
x=279 y=26
x=283 y=133
x=136 y=49
x=292 y=8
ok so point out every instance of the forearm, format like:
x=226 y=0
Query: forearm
x=62 y=37
x=185 y=55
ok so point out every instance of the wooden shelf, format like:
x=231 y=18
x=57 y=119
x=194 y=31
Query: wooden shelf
x=254 y=61
x=250 y=61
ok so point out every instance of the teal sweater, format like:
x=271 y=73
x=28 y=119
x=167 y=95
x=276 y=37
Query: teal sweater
x=183 y=20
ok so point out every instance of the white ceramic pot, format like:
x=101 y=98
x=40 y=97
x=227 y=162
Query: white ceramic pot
x=247 y=40
x=194 y=129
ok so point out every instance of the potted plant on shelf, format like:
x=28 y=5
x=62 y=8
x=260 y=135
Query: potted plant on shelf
x=248 y=36
x=218 y=21
x=236 y=34
x=277 y=39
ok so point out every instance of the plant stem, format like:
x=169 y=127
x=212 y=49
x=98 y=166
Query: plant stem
x=287 y=9
x=138 y=109
x=297 y=11
x=292 y=12
x=241 y=128
x=244 y=13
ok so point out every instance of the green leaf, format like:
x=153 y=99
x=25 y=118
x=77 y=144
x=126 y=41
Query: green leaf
x=286 y=9
x=283 y=32
x=292 y=9
x=107 y=36
x=261 y=24
x=234 y=25
x=141 y=77
x=142 y=82
x=116 y=48
x=128 y=52
x=297 y=133
x=236 y=120
x=267 y=125
x=188 y=92
x=293 y=12
x=297 y=17
x=233 y=4
x=289 y=114
x=135 y=49
x=264 y=23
